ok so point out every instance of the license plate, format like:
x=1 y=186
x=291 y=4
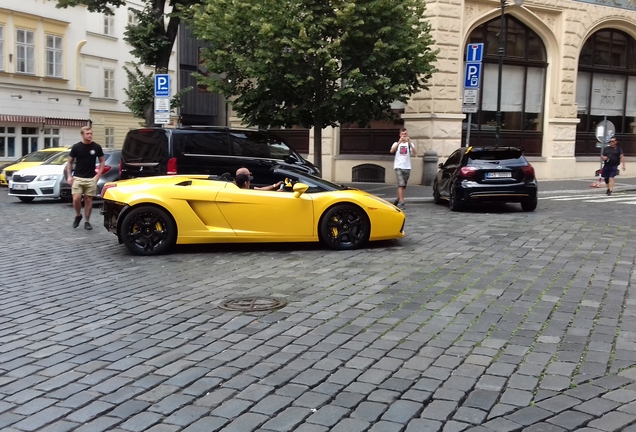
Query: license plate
x=498 y=174
x=18 y=186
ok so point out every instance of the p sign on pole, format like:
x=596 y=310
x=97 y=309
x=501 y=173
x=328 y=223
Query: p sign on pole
x=162 y=99
x=162 y=85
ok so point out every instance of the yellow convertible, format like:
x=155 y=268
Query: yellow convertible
x=151 y=214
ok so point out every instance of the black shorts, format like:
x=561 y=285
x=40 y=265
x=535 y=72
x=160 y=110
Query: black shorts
x=610 y=171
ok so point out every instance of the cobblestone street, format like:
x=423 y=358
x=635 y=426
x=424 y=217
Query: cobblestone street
x=488 y=320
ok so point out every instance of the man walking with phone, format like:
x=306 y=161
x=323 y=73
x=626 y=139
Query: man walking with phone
x=403 y=148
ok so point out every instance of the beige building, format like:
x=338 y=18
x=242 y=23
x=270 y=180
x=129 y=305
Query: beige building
x=568 y=65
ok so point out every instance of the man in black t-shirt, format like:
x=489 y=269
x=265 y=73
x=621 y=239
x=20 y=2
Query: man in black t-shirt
x=84 y=179
x=613 y=157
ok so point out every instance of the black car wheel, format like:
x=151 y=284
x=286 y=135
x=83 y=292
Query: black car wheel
x=345 y=227
x=26 y=199
x=453 y=202
x=148 y=231
x=529 y=205
x=437 y=198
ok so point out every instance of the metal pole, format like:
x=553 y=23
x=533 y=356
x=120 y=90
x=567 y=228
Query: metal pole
x=470 y=115
x=501 y=52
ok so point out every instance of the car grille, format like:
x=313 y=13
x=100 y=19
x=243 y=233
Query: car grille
x=23 y=179
x=24 y=192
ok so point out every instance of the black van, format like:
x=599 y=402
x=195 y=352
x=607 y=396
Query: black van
x=207 y=150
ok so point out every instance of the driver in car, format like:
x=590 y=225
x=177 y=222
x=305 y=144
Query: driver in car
x=244 y=177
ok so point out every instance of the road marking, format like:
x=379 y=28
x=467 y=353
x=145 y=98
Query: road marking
x=594 y=198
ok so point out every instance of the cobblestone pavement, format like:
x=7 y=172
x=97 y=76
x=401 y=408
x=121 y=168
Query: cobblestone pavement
x=488 y=320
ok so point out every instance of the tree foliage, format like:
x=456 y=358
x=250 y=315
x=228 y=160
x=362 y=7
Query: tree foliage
x=153 y=37
x=314 y=63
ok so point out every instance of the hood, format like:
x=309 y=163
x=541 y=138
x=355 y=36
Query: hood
x=42 y=170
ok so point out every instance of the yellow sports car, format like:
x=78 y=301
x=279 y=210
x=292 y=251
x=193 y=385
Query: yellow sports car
x=32 y=159
x=149 y=215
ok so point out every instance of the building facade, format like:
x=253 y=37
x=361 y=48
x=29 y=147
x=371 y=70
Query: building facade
x=61 y=69
x=568 y=65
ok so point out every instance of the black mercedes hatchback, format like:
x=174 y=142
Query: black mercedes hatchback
x=482 y=174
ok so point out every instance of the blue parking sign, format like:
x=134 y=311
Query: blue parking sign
x=162 y=85
x=473 y=74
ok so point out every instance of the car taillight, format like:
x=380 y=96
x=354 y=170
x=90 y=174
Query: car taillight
x=467 y=171
x=528 y=171
x=106 y=187
x=172 y=166
x=105 y=170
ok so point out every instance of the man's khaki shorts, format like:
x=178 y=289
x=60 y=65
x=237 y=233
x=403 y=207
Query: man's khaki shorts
x=86 y=186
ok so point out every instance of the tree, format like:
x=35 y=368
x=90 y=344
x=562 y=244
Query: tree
x=314 y=63
x=151 y=39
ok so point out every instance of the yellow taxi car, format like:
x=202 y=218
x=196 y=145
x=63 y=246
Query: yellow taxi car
x=35 y=158
x=150 y=215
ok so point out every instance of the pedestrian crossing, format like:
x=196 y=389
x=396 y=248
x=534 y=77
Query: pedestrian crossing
x=596 y=196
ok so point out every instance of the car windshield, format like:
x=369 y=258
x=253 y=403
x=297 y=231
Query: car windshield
x=316 y=184
x=501 y=156
x=59 y=159
x=38 y=156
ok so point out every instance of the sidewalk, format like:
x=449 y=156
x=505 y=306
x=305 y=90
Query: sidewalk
x=418 y=193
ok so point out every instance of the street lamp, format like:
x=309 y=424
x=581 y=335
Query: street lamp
x=501 y=53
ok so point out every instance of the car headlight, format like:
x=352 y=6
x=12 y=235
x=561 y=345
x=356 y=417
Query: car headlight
x=45 y=177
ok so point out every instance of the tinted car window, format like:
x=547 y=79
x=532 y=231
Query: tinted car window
x=277 y=148
x=501 y=156
x=113 y=158
x=145 y=146
x=249 y=144
x=454 y=159
x=202 y=143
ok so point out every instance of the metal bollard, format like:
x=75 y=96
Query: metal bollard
x=430 y=167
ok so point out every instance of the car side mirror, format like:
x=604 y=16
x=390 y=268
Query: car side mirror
x=290 y=159
x=299 y=189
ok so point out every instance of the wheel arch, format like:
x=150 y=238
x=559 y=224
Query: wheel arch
x=326 y=210
x=128 y=209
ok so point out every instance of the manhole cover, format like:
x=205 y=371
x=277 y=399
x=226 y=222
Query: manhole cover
x=252 y=304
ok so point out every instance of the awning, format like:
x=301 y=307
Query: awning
x=21 y=119
x=51 y=121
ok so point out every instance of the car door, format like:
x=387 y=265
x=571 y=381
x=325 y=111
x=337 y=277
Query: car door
x=447 y=172
x=267 y=214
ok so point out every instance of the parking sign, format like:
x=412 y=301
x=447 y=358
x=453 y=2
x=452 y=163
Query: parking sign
x=473 y=73
x=162 y=85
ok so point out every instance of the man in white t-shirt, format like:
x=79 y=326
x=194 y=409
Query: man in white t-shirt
x=403 y=149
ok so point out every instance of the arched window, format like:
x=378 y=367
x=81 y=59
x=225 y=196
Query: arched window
x=522 y=89
x=606 y=89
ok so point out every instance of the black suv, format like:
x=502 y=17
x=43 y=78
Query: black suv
x=476 y=174
x=208 y=150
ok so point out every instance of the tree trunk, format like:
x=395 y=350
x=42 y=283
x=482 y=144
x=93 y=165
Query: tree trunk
x=318 y=142
x=149 y=115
